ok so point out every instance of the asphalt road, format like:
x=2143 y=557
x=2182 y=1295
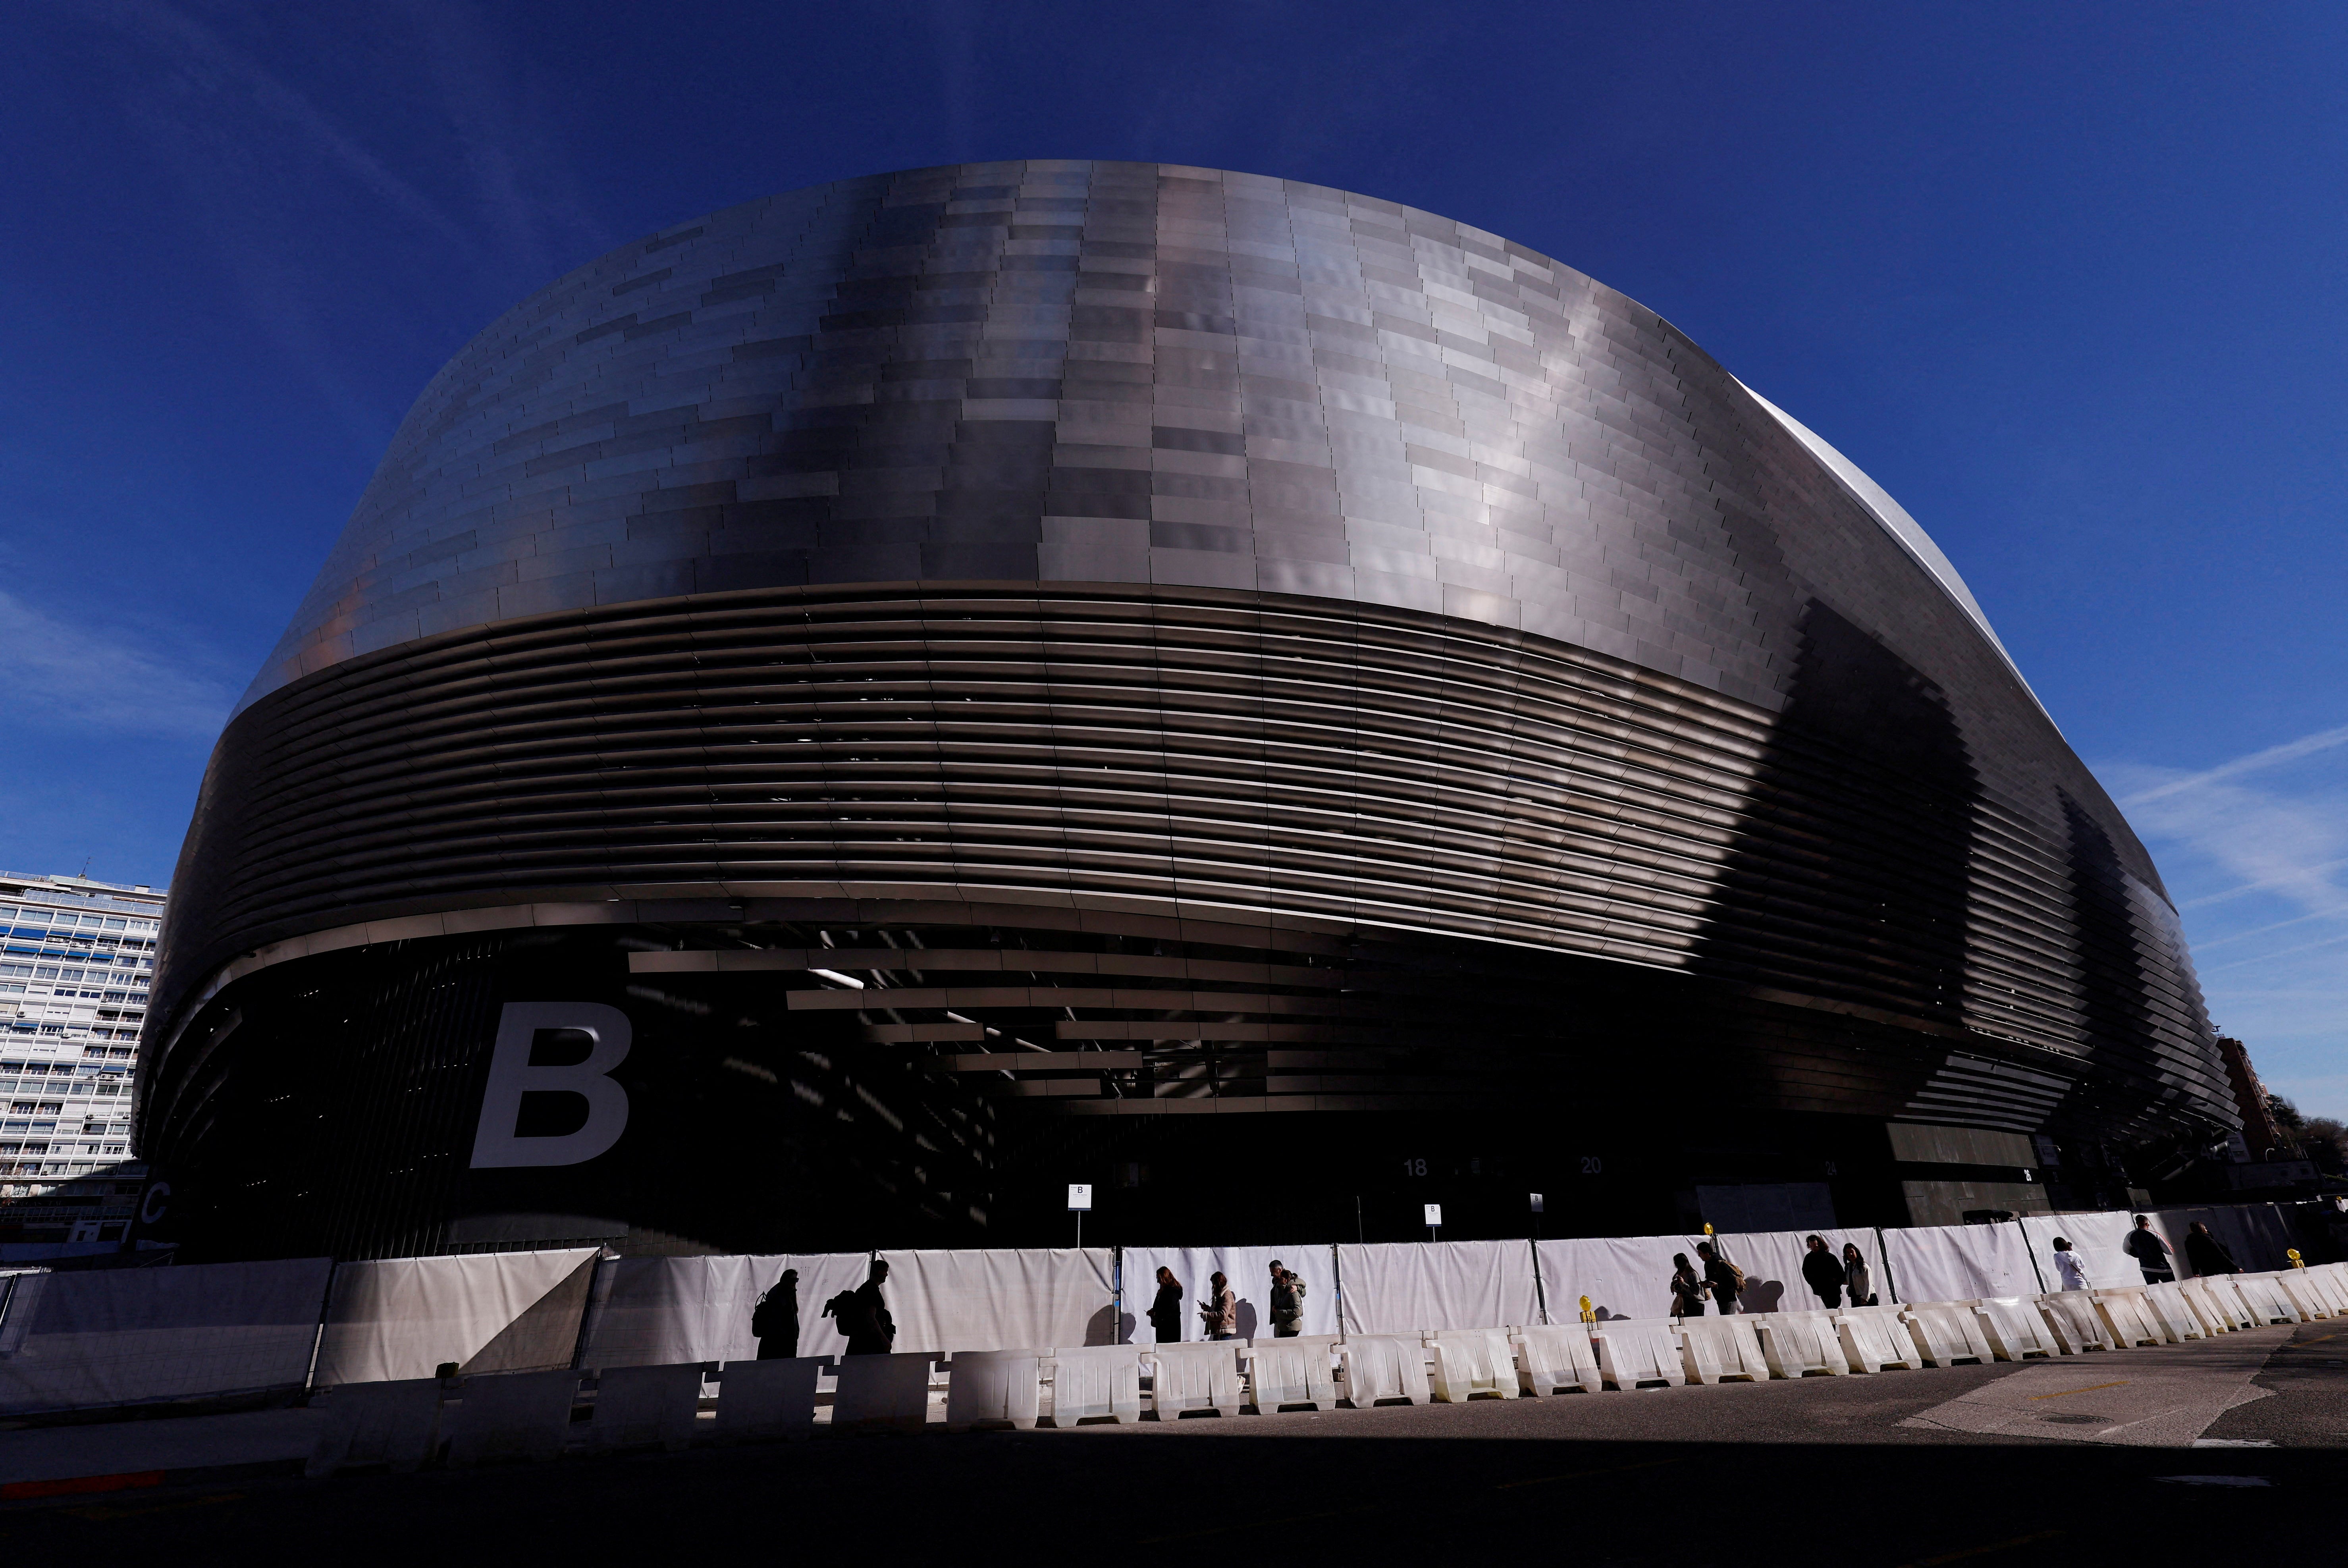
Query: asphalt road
x=1819 y=1471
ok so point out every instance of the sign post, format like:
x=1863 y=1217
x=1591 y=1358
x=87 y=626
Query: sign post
x=1435 y=1222
x=1080 y=1198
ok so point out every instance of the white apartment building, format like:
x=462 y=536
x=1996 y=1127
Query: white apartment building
x=74 y=964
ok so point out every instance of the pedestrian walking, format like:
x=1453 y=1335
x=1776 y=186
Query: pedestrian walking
x=1724 y=1279
x=2067 y=1267
x=2151 y=1251
x=1166 y=1310
x=2207 y=1254
x=1219 y=1313
x=1287 y=1302
x=775 y=1320
x=862 y=1314
x=1686 y=1288
x=1821 y=1273
x=1857 y=1281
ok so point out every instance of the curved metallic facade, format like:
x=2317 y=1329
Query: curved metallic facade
x=1199 y=645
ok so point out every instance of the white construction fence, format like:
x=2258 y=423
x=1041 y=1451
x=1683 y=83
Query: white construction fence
x=449 y=1353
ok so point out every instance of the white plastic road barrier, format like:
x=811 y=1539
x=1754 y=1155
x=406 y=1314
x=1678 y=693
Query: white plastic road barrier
x=639 y=1406
x=2073 y=1316
x=1381 y=1367
x=2328 y=1279
x=2217 y=1292
x=392 y=1424
x=1195 y=1378
x=2014 y=1327
x=1634 y=1352
x=1096 y=1382
x=1470 y=1363
x=763 y=1400
x=1872 y=1342
x=1801 y=1345
x=2129 y=1316
x=1711 y=1348
x=2214 y=1318
x=511 y=1416
x=881 y=1393
x=2264 y=1299
x=1948 y=1332
x=2177 y=1320
x=1283 y=1372
x=2304 y=1292
x=993 y=1386
x=1557 y=1358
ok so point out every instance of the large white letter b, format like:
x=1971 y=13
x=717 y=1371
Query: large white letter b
x=511 y=1075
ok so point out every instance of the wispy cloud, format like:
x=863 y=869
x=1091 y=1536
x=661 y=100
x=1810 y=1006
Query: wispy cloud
x=2256 y=851
x=56 y=676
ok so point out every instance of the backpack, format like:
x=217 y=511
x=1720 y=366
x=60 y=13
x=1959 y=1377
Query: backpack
x=840 y=1306
x=1737 y=1275
x=762 y=1317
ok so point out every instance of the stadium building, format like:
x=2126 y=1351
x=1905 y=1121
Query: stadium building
x=842 y=718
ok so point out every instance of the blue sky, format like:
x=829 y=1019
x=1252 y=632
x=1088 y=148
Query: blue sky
x=2068 y=280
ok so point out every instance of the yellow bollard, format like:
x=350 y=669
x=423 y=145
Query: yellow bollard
x=1587 y=1315
x=2296 y=1261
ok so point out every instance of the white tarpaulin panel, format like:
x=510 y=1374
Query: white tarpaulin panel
x=1623 y=1277
x=122 y=1336
x=2095 y=1241
x=1960 y=1263
x=1771 y=1262
x=663 y=1311
x=1400 y=1287
x=403 y=1318
x=1000 y=1299
x=1249 y=1271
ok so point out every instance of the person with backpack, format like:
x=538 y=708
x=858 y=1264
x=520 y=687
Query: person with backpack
x=775 y=1321
x=1724 y=1279
x=862 y=1314
x=2150 y=1249
x=1287 y=1302
x=2207 y=1254
x=1822 y=1273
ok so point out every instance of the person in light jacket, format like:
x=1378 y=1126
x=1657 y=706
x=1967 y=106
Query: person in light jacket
x=2067 y=1267
x=1822 y=1273
x=1856 y=1279
x=1287 y=1302
x=2207 y=1254
x=2151 y=1251
x=1219 y=1313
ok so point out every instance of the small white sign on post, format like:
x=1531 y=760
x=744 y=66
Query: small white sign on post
x=1080 y=1195
x=1537 y=1203
x=1435 y=1213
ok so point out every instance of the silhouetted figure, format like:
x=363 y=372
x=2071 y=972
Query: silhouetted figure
x=2150 y=1251
x=1821 y=1273
x=1724 y=1279
x=2207 y=1254
x=862 y=1314
x=1166 y=1310
x=776 y=1319
x=1857 y=1279
x=1687 y=1288
x=1287 y=1302
x=1219 y=1313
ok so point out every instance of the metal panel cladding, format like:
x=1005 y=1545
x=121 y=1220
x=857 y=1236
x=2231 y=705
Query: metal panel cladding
x=1135 y=540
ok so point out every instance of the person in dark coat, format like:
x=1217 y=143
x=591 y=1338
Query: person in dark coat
x=1822 y=1272
x=776 y=1319
x=2150 y=1251
x=1166 y=1310
x=863 y=1316
x=1286 y=1299
x=2207 y=1254
x=1687 y=1288
x=1724 y=1279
